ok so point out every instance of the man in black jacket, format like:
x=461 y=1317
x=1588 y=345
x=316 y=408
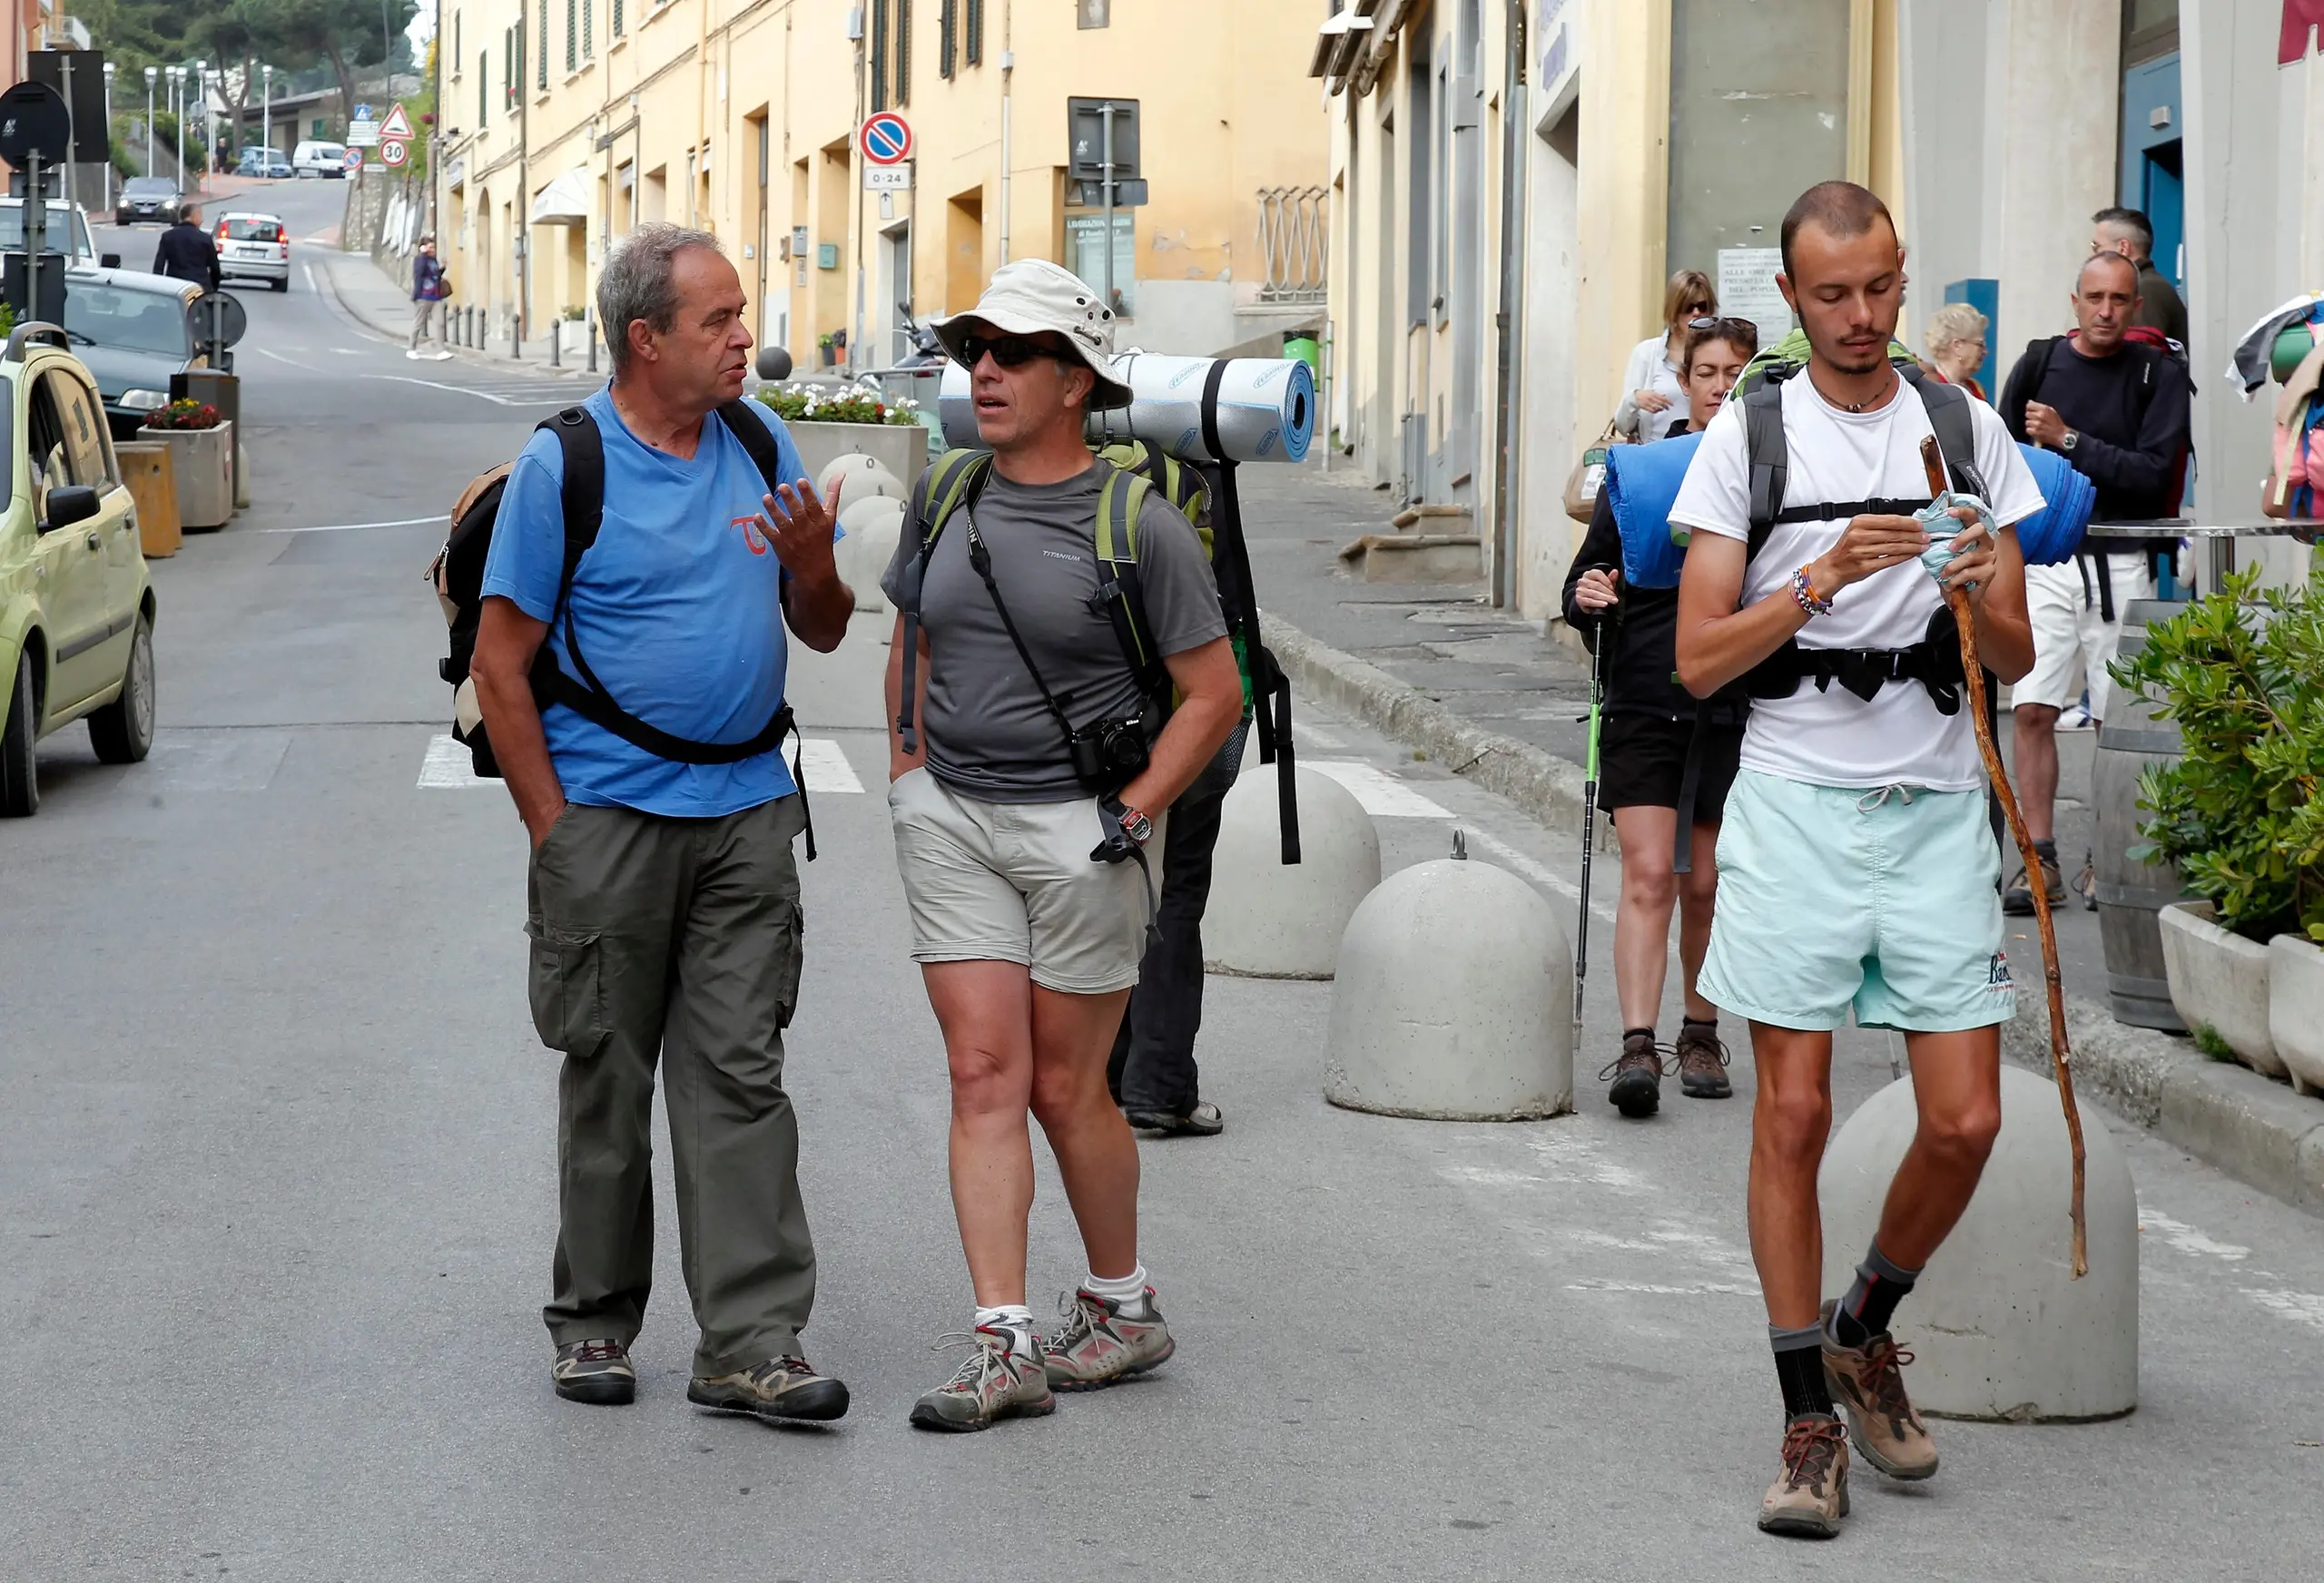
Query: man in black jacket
x=186 y=251
x=2118 y=410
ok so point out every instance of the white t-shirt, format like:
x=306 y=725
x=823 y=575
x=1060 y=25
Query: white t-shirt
x=1832 y=737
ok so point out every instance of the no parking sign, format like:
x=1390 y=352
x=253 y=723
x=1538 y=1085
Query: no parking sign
x=885 y=139
x=354 y=161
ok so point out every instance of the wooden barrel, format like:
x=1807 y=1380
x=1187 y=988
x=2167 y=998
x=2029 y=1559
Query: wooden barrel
x=2131 y=893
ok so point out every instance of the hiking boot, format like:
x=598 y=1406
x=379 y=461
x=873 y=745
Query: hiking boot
x=1204 y=1120
x=2085 y=884
x=2017 y=899
x=1812 y=1496
x=1104 y=1342
x=780 y=1388
x=596 y=1372
x=1702 y=1063
x=993 y=1383
x=1637 y=1073
x=1869 y=1382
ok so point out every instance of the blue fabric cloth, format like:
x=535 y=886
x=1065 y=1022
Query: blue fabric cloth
x=1642 y=481
x=677 y=607
x=2050 y=536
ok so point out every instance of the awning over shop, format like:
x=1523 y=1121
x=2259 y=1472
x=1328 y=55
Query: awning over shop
x=565 y=200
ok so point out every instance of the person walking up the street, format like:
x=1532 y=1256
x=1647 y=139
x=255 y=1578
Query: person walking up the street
x=1028 y=777
x=185 y=251
x=1654 y=731
x=429 y=291
x=1856 y=868
x=2129 y=232
x=2118 y=410
x=1654 y=389
x=663 y=913
x=1956 y=340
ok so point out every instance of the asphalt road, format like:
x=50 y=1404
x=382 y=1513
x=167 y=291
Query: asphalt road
x=276 y=1194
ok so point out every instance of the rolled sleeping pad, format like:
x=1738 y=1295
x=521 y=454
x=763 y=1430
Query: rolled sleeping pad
x=1641 y=484
x=2050 y=536
x=1264 y=407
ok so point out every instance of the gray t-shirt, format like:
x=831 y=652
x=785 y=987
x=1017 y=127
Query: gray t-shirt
x=987 y=733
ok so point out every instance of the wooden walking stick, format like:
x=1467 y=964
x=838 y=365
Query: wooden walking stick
x=1973 y=673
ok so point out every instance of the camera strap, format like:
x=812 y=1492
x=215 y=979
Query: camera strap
x=980 y=558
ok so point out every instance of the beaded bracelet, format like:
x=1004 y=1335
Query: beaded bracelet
x=1803 y=593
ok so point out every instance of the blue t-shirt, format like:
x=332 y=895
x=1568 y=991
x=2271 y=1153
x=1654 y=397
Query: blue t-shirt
x=677 y=605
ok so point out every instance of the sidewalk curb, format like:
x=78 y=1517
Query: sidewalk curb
x=331 y=276
x=1548 y=789
x=2258 y=1131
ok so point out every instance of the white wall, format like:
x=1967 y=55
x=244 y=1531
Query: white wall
x=1551 y=439
x=1946 y=220
x=2052 y=153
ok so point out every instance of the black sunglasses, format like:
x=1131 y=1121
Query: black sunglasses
x=1011 y=352
x=1727 y=326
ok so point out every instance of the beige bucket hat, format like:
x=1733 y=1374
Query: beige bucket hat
x=1033 y=295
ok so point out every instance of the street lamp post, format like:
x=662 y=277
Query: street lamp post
x=201 y=97
x=266 y=113
x=151 y=73
x=177 y=103
x=109 y=170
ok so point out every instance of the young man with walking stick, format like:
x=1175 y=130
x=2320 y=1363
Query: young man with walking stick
x=1857 y=868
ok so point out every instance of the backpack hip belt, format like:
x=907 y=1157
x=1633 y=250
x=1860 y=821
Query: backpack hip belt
x=1934 y=663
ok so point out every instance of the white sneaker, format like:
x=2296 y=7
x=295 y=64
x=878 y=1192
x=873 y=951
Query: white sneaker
x=439 y=356
x=413 y=354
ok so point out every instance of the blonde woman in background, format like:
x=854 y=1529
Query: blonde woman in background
x=1956 y=340
x=1654 y=395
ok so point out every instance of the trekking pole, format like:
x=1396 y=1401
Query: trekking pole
x=1588 y=834
x=1973 y=674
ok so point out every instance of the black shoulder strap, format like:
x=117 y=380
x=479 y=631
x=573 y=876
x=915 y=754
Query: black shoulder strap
x=584 y=448
x=1955 y=428
x=1770 y=459
x=747 y=426
x=953 y=479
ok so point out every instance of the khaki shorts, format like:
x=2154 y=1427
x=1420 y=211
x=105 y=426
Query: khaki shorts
x=1013 y=882
x=2072 y=639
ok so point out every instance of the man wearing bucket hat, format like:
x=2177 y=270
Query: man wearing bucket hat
x=1023 y=735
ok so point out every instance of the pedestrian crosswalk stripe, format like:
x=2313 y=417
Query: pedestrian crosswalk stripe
x=1382 y=795
x=826 y=767
x=448 y=768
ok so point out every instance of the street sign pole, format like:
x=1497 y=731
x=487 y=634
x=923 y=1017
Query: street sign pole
x=1106 y=114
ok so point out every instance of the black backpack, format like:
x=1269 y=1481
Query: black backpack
x=457 y=572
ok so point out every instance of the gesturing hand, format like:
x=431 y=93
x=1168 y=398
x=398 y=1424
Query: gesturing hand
x=801 y=527
x=1867 y=546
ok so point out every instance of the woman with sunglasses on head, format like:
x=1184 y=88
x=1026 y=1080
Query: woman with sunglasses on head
x=1654 y=393
x=1652 y=727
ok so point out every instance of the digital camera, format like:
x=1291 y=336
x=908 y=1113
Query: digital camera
x=1108 y=755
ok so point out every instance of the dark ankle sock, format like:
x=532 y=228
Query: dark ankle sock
x=1627 y=1032
x=2047 y=849
x=1799 y=1367
x=1871 y=1301
x=1698 y=1021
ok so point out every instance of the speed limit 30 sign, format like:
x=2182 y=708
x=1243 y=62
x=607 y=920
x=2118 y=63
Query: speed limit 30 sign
x=394 y=151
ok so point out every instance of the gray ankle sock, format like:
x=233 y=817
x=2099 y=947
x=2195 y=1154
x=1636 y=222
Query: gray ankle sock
x=1872 y=1297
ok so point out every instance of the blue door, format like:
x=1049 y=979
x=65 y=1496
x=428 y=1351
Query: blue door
x=2164 y=198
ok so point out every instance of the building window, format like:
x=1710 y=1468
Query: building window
x=483 y=87
x=572 y=35
x=879 y=59
x=617 y=18
x=512 y=75
x=973 y=44
x=947 y=24
x=1093 y=13
x=588 y=29
x=456 y=40
x=903 y=52
x=540 y=50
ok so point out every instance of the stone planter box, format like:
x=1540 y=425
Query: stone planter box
x=2296 y=1009
x=2219 y=980
x=202 y=464
x=902 y=448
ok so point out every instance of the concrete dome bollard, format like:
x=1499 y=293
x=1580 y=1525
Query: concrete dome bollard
x=865 y=477
x=870 y=529
x=1998 y=1327
x=1265 y=920
x=1454 y=1000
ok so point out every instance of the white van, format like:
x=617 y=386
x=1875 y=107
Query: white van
x=320 y=159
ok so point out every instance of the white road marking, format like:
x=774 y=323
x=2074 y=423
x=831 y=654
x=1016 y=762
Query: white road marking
x=279 y=357
x=1532 y=870
x=1703 y=1289
x=2186 y=1238
x=497 y=400
x=826 y=767
x=358 y=526
x=312 y=284
x=1382 y=795
x=449 y=768
x=2306 y=1307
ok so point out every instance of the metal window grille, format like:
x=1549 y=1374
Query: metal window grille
x=1294 y=243
x=973 y=45
x=903 y=52
x=947 y=27
x=879 y=55
x=572 y=35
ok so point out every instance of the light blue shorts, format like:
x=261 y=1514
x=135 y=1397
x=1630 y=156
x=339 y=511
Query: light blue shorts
x=1831 y=897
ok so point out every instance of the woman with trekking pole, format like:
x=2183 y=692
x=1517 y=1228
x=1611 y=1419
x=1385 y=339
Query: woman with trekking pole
x=1650 y=734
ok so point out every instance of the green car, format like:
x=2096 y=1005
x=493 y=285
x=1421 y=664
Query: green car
x=76 y=607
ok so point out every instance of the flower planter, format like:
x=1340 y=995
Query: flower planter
x=572 y=342
x=2296 y=1009
x=900 y=447
x=2219 y=980
x=201 y=463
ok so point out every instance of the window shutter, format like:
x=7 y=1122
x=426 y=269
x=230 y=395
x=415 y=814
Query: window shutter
x=903 y=52
x=540 y=49
x=572 y=35
x=879 y=55
x=617 y=18
x=975 y=50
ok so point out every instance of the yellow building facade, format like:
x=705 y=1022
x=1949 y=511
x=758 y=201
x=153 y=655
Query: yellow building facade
x=741 y=116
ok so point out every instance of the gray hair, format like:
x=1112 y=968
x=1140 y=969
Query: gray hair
x=1954 y=322
x=638 y=281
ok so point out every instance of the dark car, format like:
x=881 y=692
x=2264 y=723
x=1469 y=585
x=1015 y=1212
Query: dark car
x=132 y=331
x=146 y=198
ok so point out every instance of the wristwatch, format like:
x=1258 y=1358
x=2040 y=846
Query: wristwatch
x=2073 y=438
x=1137 y=826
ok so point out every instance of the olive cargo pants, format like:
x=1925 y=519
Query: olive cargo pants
x=676 y=938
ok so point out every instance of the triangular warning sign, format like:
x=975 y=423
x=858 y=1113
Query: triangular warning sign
x=398 y=125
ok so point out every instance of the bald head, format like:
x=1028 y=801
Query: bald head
x=2105 y=299
x=2114 y=266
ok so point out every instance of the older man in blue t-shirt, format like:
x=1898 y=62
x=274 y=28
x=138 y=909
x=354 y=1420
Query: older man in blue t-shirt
x=664 y=899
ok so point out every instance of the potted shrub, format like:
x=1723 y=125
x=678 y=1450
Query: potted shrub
x=829 y=421
x=2242 y=814
x=202 y=459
